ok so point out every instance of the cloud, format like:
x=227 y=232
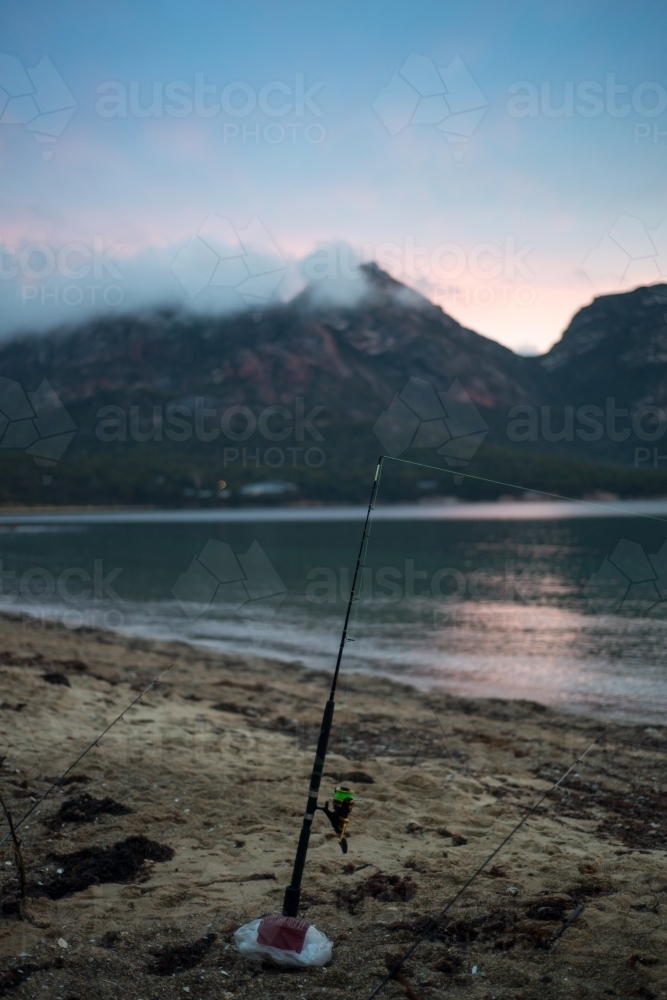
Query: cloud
x=172 y=277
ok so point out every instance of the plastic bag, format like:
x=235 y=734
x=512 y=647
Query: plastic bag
x=315 y=950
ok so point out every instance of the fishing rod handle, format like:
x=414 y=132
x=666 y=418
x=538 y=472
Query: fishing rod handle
x=293 y=891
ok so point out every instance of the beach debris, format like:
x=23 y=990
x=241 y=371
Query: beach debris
x=180 y=958
x=569 y=919
x=642 y=960
x=635 y=815
x=62 y=943
x=539 y=921
x=381 y=886
x=85 y=808
x=122 y=862
x=284 y=941
x=495 y=872
x=56 y=678
x=399 y=974
x=450 y=964
x=358 y=778
x=231 y=707
x=73 y=779
x=18 y=853
x=11 y=978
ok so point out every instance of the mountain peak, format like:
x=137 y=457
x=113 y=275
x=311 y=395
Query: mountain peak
x=366 y=284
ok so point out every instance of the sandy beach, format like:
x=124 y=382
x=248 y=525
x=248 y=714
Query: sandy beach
x=182 y=822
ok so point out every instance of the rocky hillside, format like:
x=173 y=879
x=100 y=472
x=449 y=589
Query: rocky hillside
x=342 y=365
x=350 y=360
x=617 y=346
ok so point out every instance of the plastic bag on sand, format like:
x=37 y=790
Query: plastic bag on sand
x=299 y=943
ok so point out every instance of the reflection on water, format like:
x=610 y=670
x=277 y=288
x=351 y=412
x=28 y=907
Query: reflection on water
x=498 y=608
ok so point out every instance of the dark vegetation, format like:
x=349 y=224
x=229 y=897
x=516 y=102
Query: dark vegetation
x=537 y=922
x=122 y=862
x=85 y=809
x=168 y=476
x=385 y=888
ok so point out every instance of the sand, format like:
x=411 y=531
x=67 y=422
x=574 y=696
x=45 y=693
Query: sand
x=212 y=767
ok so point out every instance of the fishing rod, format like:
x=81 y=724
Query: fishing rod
x=343 y=797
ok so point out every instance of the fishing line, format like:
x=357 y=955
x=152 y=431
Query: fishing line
x=87 y=750
x=515 y=486
x=357 y=601
x=435 y=921
x=629 y=743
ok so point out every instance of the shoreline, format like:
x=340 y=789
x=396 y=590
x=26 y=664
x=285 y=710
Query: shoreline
x=214 y=765
x=603 y=713
x=534 y=509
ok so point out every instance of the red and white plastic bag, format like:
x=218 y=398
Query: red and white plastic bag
x=286 y=941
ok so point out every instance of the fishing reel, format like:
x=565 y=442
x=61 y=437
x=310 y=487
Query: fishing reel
x=339 y=816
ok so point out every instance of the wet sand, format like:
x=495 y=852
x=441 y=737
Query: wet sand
x=212 y=769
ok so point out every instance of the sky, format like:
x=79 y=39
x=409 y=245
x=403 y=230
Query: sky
x=506 y=160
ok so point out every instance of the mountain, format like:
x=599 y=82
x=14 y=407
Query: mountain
x=612 y=359
x=617 y=346
x=331 y=367
x=349 y=359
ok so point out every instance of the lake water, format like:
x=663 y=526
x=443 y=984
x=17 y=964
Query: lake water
x=558 y=603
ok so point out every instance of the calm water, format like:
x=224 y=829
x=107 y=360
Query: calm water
x=482 y=600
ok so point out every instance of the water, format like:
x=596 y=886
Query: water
x=488 y=600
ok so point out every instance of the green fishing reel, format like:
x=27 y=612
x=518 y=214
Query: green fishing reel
x=339 y=816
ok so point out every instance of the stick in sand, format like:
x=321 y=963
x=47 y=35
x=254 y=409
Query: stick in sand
x=17 y=847
x=60 y=780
